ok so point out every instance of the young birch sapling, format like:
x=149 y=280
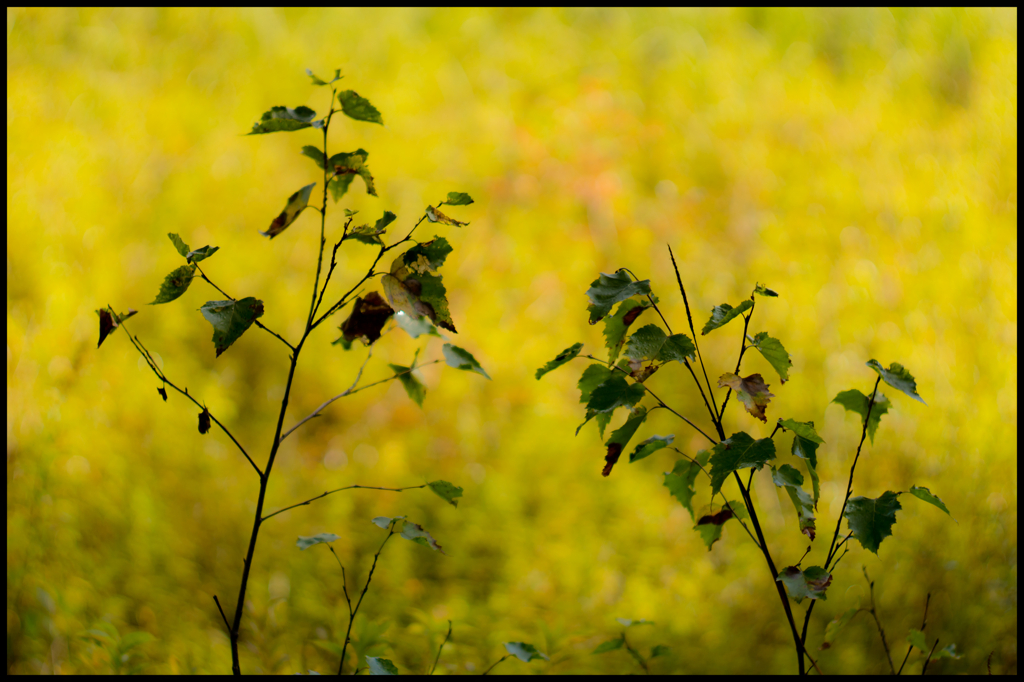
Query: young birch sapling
x=636 y=351
x=414 y=298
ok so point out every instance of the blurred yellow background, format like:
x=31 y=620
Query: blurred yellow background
x=862 y=163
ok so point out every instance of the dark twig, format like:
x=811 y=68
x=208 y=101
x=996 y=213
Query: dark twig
x=256 y=322
x=226 y=624
x=495 y=663
x=878 y=623
x=441 y=648
x=924 y=624
x=929 y=659
x=686 y=303
x=352 y=612
x=338 y=490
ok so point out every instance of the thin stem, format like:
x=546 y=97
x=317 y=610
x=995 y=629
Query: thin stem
x=495 y=663
x=636 y=655
x=167 y=382
x=929 y=659
x=226 y=624
x=353 y=612
x=878 y=623
x=338 y=490
x=441 y=648
x=721 y=494
x=334 y=263
x=661 y=402
x=743 y=349
x=351 y=390
x=713 y=408
x=256 y=322
x=924 y=623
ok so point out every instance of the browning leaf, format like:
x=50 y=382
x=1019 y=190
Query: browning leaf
x=614 y=451
x=435 y=216
x=163 y=393
x=367 y=319
x=716 y=519
x=297 y=202
x=751 y=390
x=109 y=322
x=204 y=421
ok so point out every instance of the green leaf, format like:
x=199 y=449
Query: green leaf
x=446 y=491
x=810 y=583
x=835 y=625
x=803 y=429
x=346 y=166
x=806 y=449
x=416 y=391
x=855 y=401
x=371 y=234
x=315 y=154
x=325 y=538
x=458 y=199
x=428 y=256
x=916 y=639
x=524 y=652
x=739 y=451
x=385 y=521
x=400 y=298
x=710 y=525
x=926 y=495
x=774 y=353
x=415 y=288
x=280 y=119
x=354 y=106
x=649 y=447
x=230 y=319
x=659 y=650
x=677 y=347
x=607 y=290
x=948 y=651
x=764 y=291
x=297 y=202
x=593 y=376
x=415 y=326
x=898 y=377
x=752 y=392
x=645 y=343
x=620 y=437
x=434 y=215
x=789 y=478
x=197 y=255
x=416 y=533
x=381 y=666
x=615 y=326
x=722 y=314
x=462 y=359
x=871 y=520
x=614 y=392
x=181 y=246
x=560 y=359
x=317 y=81
x=680 y=483
x=610 y=645
x=175 y=284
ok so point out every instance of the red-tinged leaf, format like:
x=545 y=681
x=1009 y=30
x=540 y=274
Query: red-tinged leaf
x=163 y=393
x=297 y=202
x=204 y=421
x=614 y=451
x=368 y=317
x=751 y=390
x=716 y=519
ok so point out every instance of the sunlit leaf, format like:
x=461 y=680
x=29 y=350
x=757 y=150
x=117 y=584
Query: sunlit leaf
x=855 y=401
x=297 y=202
x=458 y=199
x=774 y=353
x=723 y=314
x=346 y=166
x=414 y=287
x=446 y=491
x=648 y=447
x=326 y=538
x=607 y=290
x=898 y=377
x=620 y=437
x=926 y=495
x=230 y=319
x=280 y=119
x=401 y=298
x=462 y=359
x=560 y=359
x=789 y=478
x=871 y=520
x=203 y=253
x=181 y=246
x=764 y=291
x=434 y=215
x=810 y=583
x=415 y=326
x=415 y=390
x=428 y=256
x=739 y=451
x=368 y=234
x=354 y=106
x=367 y=319
x=524 y=652
x=175 y=284
x=751 y=390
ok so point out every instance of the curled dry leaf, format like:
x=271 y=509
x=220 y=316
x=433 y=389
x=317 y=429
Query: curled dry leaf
x=751 y=390
x=368 y=317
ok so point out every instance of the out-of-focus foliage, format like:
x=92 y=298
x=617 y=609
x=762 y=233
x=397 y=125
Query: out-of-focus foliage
x=861 y=163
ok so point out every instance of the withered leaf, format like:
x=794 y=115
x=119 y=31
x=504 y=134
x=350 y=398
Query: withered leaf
x=109 y=322
x=367 y=319
x=716 y=519
x=297 y=202
x=204 y=421
x=614 y=451
x=163 y=393
x=435 y=216
x=751 y=390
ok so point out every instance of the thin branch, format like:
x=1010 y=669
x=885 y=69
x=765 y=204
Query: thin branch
x=878 y=623
x=334 y=263
x=721 y=494
x=338 y=490
x=713 y=408
x=256 y=322
x=228 y=626
x=167 y=382
x=924 y=623
x=743 y=349
x=495 y=663
x=929 y=659
x=441 y=648
x=353 y=612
